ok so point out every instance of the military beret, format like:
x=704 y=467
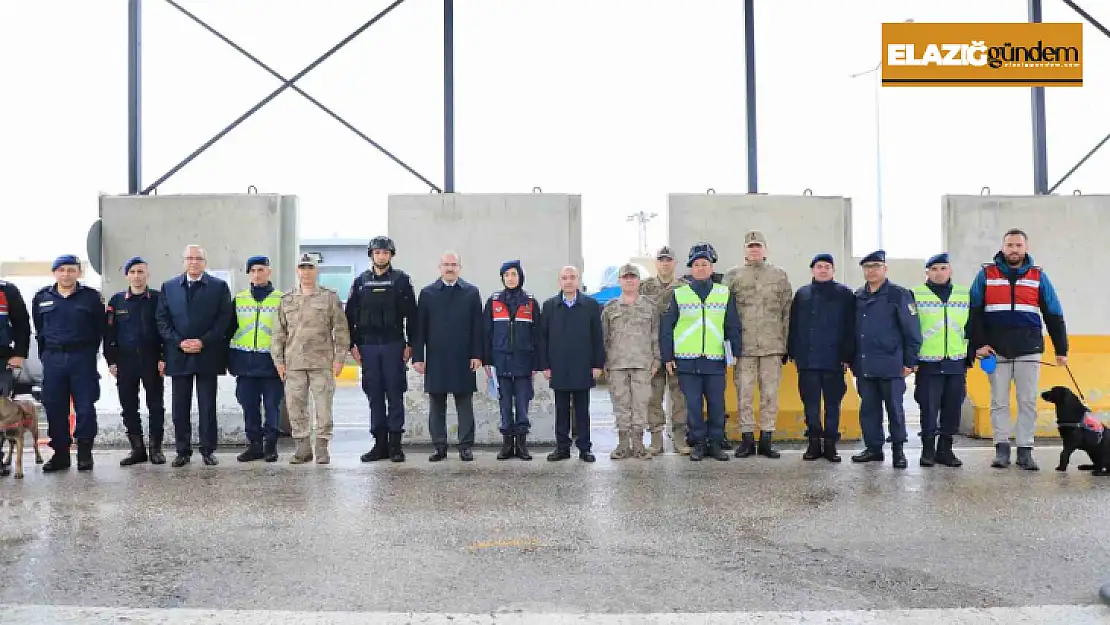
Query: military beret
x=937 y=259
x=878 y=256
x=131 y=262
x=64 y=259
x=257 y=260
x=823 y=257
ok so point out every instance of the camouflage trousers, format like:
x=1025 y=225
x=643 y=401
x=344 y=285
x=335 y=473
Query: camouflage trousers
x=630 y=390
x=766 y=372
x=299 y=386
x=676 y=402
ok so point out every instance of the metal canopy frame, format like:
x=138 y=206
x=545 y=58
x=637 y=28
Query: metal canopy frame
x=134 y=100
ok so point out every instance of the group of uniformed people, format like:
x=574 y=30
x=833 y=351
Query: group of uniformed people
x=665 y=333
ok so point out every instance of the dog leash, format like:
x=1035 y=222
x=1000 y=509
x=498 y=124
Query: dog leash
x=1070 y=375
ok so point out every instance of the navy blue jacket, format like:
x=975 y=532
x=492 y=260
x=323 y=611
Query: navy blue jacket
x=888 y=332
x=449 y=334
x=251 y=364
x=68 y=323
x=572 y=342
x=1015 y=333
x=387 y=299
x=15 y=323
x=512 y=333
x=207 y=316
x=701 y=366
x=822 y=326
x=131 y=325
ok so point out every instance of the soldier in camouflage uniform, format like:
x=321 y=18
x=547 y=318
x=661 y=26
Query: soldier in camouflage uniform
x=763 y=295
x=659 y=289
x=630 y=325
x=309 y=348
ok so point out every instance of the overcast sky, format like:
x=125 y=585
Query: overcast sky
x=621 y=101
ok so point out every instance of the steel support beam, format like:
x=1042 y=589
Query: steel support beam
x=449 y=96
x=749 y=80
x=134 y=97
x=1087 y=16
x=300 y=91
x=1040 y=135
x=275 y=93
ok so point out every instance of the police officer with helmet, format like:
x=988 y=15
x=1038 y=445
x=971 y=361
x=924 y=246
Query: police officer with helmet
x=381 y=312
x=69 y=327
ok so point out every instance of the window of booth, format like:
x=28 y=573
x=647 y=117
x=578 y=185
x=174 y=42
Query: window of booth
x=337 y=277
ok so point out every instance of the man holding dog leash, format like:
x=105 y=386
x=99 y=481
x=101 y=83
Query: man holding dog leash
x=15 y=337
x=1009 y=298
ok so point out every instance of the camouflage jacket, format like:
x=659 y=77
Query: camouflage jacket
x=659 y=293
x=763 y=296
x=311 y=330
x=631 y=334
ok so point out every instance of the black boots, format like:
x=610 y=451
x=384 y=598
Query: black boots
x=156 y=455
x=380 y=450
x=522 y=447
x=899 y=456
x=928 y=451
x=508 y=447
x=439 y=455
x=58 y=462
x=766 y=449
x=716 y=451
x=869 y=455
x=396 y=453
x=138 y=451
x=253 y=452
x=1025 y=459
x=944 y=452
x=830 y=450
x=84 y=455
x=1001 y=456
x=746 y=449
x=269 y=450
x=558 y=454
x=814 y=451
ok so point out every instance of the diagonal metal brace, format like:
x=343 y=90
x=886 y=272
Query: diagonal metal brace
x=287 y=83
x=1087 y=16
x=1080 y=163
x=311 y=99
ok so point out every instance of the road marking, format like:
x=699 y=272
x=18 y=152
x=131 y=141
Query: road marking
x=512 y=543
x=1030 y=615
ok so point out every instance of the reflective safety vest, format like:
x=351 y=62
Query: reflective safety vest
x=1016 y=304
x=942 y=324
x=700 y=331
x=256 y=321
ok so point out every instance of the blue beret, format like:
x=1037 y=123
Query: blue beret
x=878 y=256
x=131 y=262
x=823 y=257
x=257 y=260
x=510 y=264
x=64 y=259
x=938 y=258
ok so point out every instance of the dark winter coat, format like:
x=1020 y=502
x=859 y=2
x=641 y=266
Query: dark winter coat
x=572 y=342
x=448 y=335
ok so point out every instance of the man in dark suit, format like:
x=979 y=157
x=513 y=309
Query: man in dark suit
x=572 y=355
x=447 y=351
x=194 y=317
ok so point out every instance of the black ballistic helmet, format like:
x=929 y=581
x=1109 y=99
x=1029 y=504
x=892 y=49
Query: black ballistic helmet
x=381 y=243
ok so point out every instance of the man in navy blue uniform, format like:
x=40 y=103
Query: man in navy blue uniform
x=512 y=318
x=888 y=338
x=381 y=312
x=133 y=351
x=194 y=318
x=15 y=341
x=69 y=328
x=820 y=342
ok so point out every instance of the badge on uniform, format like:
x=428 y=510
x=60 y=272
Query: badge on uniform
x=913 y=308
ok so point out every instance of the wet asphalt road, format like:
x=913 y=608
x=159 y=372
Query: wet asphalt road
x=631 y=536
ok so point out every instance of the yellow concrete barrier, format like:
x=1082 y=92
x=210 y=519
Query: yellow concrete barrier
x=1089 y=360
x=791 y=424
x=349 y=373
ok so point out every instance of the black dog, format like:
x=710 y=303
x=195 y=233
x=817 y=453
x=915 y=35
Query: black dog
x=1079 y=429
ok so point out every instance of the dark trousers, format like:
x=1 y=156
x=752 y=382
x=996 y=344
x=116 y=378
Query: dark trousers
x=874 y=393
x=940 y=396
x=563 y=432
x=182 y=391
x=70 y=376
x=437 y=418
x=514 y=394
x=252 y=394
x=697 y=388
x=7 y=380
x=383 y=381
x=813 y=386
x=133 y=367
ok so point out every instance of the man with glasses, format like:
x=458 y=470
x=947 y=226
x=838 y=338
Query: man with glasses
x=194 y=318
x=888 y=339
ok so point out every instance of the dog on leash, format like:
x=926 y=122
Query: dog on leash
x=1079 y=430
x=17 y=417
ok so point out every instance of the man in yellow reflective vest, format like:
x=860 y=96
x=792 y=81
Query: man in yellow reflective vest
x=698 y=334
x=943 y=309
x=249 y=360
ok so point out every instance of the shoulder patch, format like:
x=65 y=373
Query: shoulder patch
x=912 y=307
